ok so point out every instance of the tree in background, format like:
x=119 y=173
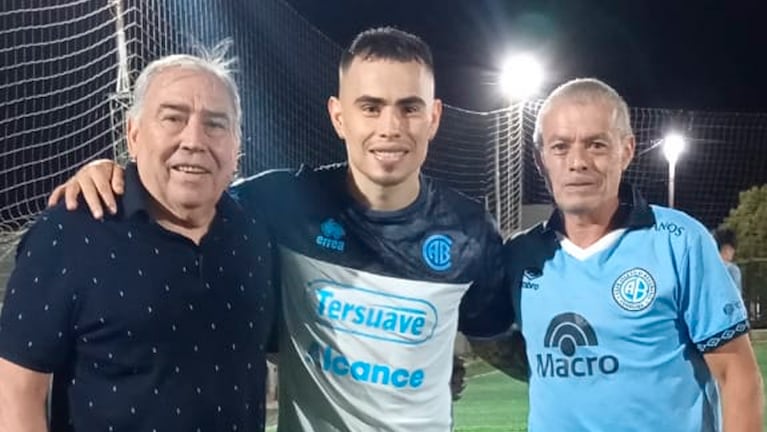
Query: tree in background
x=749 y=221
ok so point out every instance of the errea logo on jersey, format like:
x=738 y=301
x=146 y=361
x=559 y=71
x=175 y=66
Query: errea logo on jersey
x=372 y=314
x=332 y=236
x=567 y=332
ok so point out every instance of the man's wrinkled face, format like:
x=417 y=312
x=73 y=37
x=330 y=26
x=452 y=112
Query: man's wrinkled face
x=184 y=139
x=583 y=154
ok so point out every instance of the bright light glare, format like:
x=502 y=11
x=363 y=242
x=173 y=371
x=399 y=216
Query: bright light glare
x=673 y=146
x=521 y=77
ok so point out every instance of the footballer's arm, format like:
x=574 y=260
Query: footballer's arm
x=506 y=352
x=734 y=367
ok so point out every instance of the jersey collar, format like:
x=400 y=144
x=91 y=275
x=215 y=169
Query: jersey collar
x=633 y=211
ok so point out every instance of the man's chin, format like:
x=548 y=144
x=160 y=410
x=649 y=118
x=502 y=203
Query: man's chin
x=576 y=208
x=193 y=199
x=389 y=179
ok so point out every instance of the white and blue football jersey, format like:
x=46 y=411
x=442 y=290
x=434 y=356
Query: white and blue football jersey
x=371 y=301
x=615 y=333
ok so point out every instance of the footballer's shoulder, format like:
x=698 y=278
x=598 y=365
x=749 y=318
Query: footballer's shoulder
x=677 y=223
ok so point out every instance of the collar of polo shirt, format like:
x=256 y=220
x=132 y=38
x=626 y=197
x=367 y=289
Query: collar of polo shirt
x=633 y=211
x=136 y=198
x=135 y=201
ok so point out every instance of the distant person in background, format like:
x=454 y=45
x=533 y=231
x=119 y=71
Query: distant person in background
x=726 y=240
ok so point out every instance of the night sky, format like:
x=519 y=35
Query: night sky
x=693 y=55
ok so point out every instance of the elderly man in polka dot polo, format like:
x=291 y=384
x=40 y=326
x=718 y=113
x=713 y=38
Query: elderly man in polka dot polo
x=154 y=318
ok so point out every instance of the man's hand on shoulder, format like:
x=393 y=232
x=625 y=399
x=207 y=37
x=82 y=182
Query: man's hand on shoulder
x=98 y=182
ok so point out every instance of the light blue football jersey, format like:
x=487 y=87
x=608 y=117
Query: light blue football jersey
x=616 y=332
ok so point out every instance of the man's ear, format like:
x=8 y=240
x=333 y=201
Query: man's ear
x=629 y=147
x=132 y=137
x=436 y=117
x=336 y=116
x=538 y=158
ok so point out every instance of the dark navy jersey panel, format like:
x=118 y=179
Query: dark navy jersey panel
x=312 y=213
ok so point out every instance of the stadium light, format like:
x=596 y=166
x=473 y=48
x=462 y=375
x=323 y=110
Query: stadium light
x=673 y=147
x=521 y=77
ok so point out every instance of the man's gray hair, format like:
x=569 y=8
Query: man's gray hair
x=586 y=91
x=213 y=61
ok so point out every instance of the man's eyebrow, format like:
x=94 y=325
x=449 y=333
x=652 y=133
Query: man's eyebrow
x=186 y=110
x=216 y=114
x=411 y=100
x=600 y=135
x=369 y=99
x=568 y=138
x=559 y=137
x=174 y=107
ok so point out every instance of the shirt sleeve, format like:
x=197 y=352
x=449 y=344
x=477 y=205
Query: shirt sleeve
x=711 y=304
x=264 y=194
x=273 y=339
x=255 y=197
x=36 y=321
x=516 y=257
x=486 y=308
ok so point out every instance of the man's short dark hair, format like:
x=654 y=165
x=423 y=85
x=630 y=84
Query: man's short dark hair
x=387 y=43
x=725 y=237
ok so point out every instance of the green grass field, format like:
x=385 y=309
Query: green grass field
x=493 y=402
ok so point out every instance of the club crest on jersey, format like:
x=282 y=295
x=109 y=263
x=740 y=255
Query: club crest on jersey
x=436 y=252
x=634 y=290
x=331 y=237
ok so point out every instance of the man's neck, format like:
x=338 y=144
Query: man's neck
x=383 y=198
x=192 y=224
x=585 y=229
